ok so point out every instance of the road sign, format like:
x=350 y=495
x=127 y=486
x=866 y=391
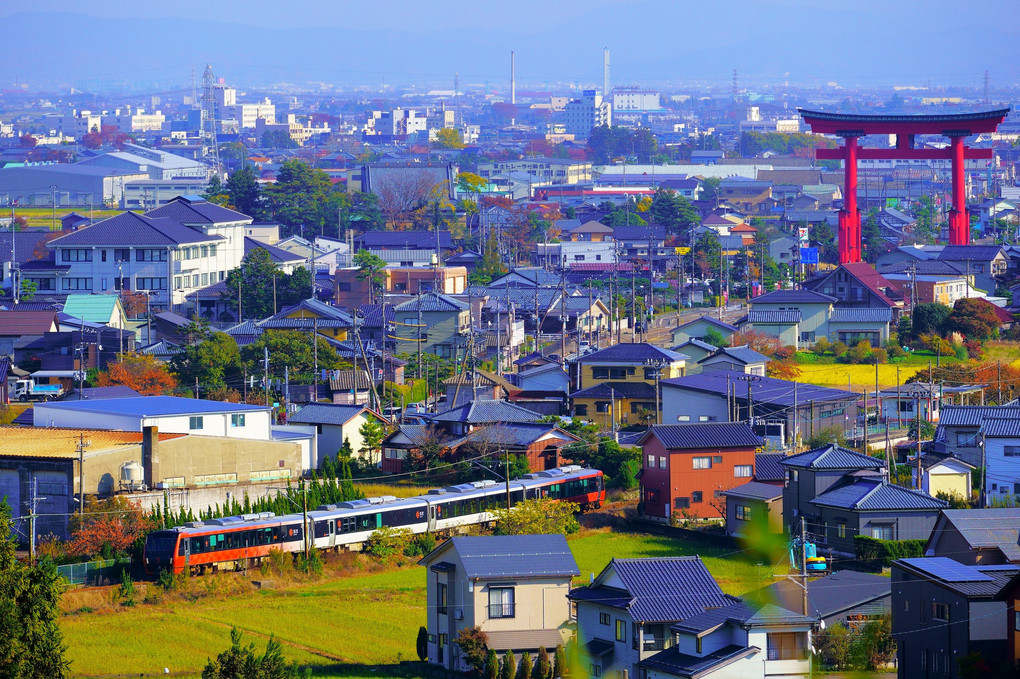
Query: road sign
x=682 y=251
x=809 y=255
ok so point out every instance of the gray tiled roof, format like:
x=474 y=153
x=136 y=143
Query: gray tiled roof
x=831 y=457
x=744 y=354
x=713 y=321
x=705 y=435
x=617 y=390
x=974 y=416
x=996 y=528
x=974 y=253
x=850 y=315
x=498 y=556
x=789 y=316
x=767 y=467
x=668 y=589
x=187 y=211
x=408 y=240
x=432 y=301
x=755 y=491
x=833 y=594
x=1000 y=428
x=674 y=663
x=486 y=411
x=872 y=495
x=766 y=390
x=130 y=229
x=326 y=413
x=637 y=351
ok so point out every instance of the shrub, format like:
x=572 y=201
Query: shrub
x=491 y=665
x=828 y=436
x=859 y=353
x=887 y=551
x=895 y=351
x=278 y=562
x=421 y=644
x=507 y=665
x=524 y=668
x=955 y=500
x=960 y=352
x=537 y=517
x=839 y=349
x=312 y=564
x=784 y=353
x=473 y=644
x=835 y=645
x=627 y=478
x=821 y=346
x=543 y=668
x=385 y=542
x=975 y=349
x=559 y=663
x=420 y=545
x=878 y=356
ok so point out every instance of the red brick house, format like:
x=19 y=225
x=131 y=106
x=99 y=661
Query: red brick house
x=687 y=467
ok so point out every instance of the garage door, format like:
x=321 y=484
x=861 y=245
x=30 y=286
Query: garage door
x=52 y=493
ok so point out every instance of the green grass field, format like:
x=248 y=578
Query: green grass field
x=361 y=625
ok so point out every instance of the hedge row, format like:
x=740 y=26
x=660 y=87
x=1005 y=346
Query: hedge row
x=887 y=551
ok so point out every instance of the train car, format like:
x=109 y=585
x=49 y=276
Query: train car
x=202 y=545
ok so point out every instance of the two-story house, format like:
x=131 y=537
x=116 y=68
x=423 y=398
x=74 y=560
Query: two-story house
x=697 y=329
x=736 y=359
x=624 y=615
x=796 y=317
x=687 y=467
x=977 y=537
x=959 y=431
x=435 y=323
x=943 y=610
x=812 y=473
x=857 y=285
x=514 y=587
x=617 y=383
x=984 y=262
x=740 y=640
x=1001 y=440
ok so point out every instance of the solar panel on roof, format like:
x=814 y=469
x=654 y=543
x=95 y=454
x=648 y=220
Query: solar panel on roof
x=947 y=570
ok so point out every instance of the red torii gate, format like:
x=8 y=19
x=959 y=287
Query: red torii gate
x=955 y=126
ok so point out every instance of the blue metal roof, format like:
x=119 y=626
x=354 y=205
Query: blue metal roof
x=487 y=411
x=974 y=416
x=850 y=315
x=326 y=413
x=704 y=435
x=154 y=406
x=755 y=491
x=769 y=317
x=831 y=457
x=507 y=556
x=1001 y=428
x=792 y=297
x=946 y=569
x=764 y=390
x=767 y=467
x=637 y=351
x=873 y=495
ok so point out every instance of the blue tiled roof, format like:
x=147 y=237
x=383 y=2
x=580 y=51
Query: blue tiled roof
x=154 y=406
x=130 y=229
x=638 y=351
x=792 y=297
x=705 y=435
x=850 y=315
x=831 y=457
x=432 y=301
x=767 y=467
x=189 y=211
x=617 y=390
x=766 y=390
x=655 y=232
x=831 y=595
x=974 y=253
x=513 y=434
x=974 y=416
x=278 y=255
x=712 y=618
x=408 y=240
x=744 y=354
x=326 y=413
x=756 y=491
x=667 y=589
x=871 y=495
x=504 y=556
x=763 y=316
x=1001 y=428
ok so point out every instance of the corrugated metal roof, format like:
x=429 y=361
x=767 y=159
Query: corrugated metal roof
x=154 y=406
x=55 y=442
x=92 y=308
x=637 y=351
x=755 y=491
x=997 y=528
x=832 y=594
x=705 y=435
x=831 y=457
x=1000 y=428
x=499 y=556
x=485 y=411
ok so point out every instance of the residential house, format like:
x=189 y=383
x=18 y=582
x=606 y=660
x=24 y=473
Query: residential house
x=1010 y=594
x=753 y=504
x=796 y=317
x=783 y=411
x=472 y=385
x=590 y=232
x=513 y=587
x=351 y=387
x=697 y=329
x=336 y=425
x=434 y=323
x=20 y=328
x=944 y=611
x=351 y=288
x=735 y=359
x=407 y=248
x=848 y=598
x=686 y=468
x=624 y=615
x=543 y=389
x=857 y=285
x=747 y=195
x=977 y=537
x=960 y=428
x=784 y=250
x=101 y=309
x=695 y=350
x=942 y=473
x=931 y=280
x=618 y=382
x=568 y=254
x=984 y=262
x=1000 y=439
x=729 y=642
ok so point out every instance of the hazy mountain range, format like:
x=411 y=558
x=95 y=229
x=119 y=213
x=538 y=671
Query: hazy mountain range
x=862 y=43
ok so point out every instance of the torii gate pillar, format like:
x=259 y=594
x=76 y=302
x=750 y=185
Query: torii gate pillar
x=850 y=215
x=959 y=220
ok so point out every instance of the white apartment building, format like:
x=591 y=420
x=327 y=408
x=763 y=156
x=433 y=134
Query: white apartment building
x=586 y=113
x=169 y=252
x=137 y=120
x=628 y=99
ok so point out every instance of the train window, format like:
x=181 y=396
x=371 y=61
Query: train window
x=180 y=548
x=322 y=529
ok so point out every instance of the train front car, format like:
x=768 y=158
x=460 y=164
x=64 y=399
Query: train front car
x=572 y=483
x=161 y=548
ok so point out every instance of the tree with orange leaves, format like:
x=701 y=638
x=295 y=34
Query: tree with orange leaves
x=108 y=527
x=144 y=374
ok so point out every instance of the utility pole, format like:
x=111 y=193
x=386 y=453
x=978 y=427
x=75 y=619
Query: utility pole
x=803 y=566
x=265 y=365
x=315 y=360
x=506 y=475
x=80 y=448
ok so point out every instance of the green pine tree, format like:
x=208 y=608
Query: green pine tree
x=508 y=665
x=524 y=669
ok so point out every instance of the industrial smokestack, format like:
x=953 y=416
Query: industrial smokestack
x=605 y=72
x=513 y=84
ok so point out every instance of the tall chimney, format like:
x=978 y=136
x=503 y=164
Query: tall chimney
x=150 y=454
x=605 y=72
x=513 y=79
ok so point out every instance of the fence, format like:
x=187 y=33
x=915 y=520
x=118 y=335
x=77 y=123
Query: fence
x=93 y=572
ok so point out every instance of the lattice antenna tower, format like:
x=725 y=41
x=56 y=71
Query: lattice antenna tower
x=736 y=86
x=209 y=115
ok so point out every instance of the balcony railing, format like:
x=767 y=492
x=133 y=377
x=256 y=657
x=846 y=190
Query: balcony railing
x=502 y=610
x=654 y=644
x=786 y=654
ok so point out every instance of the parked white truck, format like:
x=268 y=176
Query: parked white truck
x=28 y=390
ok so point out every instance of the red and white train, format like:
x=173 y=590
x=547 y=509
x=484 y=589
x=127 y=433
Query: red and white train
x=203 y=545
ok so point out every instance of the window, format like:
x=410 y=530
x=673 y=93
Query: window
x=743 y=471
x=702 y=463
x=237 y=420
x=150 y=255
x=696 y=496
x=940 y=611
x=122 y=255
x=205 y=279
x=742 y=513
x=581 y=409
x=76 y=284
x=603 y=618
x=609 y=373
x=122 y=283
x=651 y=496
x=906 y=406
x=205 y=250
x=717 y=459
x=621 y=630
x=787 y=645
x=651 y=373
x=683 y=503
x=76 y=255
x=697 y=645
x=651 y=461
x=794 y=475
x=882 y=531
x=594 y=670
x=212 y=250
x=150 y=283
x=195 y=422
x=966 y=439
x=662 y=462
x=841 y=530
x=602 y=406
x=441 y=599
x=501 y=602
x=343 y=287
x=1011 y=451
x=103 y=255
